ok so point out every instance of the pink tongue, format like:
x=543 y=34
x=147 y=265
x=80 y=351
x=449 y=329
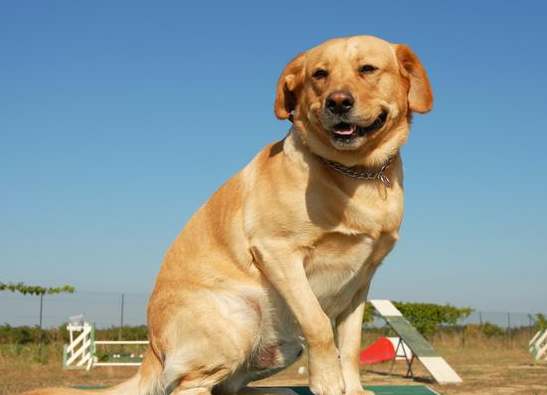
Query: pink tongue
x=345 y=132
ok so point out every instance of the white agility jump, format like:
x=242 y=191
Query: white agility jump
x=538 y=345
x=81 y=352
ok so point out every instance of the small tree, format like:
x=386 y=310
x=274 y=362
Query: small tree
x=541 y=321
x=36 y=290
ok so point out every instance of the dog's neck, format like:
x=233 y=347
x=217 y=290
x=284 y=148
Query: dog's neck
x=296 y=148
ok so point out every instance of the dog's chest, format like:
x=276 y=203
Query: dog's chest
x=339 y=265
x=354 y=235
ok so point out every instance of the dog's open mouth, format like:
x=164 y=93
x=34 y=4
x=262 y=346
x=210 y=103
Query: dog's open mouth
x=346 y=131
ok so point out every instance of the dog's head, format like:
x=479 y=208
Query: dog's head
x=352 y=98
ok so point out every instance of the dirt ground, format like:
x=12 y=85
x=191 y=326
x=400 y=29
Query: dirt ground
x=487 y=369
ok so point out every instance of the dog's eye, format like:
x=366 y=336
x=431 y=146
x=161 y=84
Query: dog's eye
x=367 y=69
x=319 y=74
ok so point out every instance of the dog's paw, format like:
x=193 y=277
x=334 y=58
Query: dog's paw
x=327 y=381
x=359 y=392
x=327 y=385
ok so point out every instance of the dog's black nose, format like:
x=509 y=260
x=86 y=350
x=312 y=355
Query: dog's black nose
x=339 y=102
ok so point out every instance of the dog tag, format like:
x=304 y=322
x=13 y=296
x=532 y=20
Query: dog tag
x=385 y=180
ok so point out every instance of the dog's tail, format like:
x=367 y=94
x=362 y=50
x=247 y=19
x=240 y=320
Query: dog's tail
x=147 y=381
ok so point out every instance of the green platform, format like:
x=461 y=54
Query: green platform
x=377 y=389
x=382 y=390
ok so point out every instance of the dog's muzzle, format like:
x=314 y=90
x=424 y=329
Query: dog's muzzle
x=345 y=131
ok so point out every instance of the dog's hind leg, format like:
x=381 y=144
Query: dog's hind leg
x=190 y=372
x=204 y=344
x=195 y=367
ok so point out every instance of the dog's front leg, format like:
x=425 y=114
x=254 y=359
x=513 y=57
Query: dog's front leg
x=348 y=333
x=284 y=269
x=349 y=326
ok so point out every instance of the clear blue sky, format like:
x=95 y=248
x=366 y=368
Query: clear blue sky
x=119 y=118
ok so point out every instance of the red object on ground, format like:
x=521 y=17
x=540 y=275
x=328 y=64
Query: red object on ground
x=380 y=351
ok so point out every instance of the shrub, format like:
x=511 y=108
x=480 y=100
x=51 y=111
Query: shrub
x=23 y=335
x=487 y=329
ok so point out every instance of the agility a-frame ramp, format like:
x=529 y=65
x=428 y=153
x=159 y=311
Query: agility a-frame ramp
x=439 y=369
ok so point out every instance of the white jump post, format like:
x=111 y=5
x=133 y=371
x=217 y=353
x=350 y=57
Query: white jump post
x=538 y=345
x=80 y=353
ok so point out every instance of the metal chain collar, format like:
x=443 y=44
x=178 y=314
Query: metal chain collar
x=362 y=175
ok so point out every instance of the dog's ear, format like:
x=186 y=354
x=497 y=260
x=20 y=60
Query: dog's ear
x=289 y=84
x=420 y=96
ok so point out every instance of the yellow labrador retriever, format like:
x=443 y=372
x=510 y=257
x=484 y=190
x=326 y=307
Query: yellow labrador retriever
x=284 y=252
